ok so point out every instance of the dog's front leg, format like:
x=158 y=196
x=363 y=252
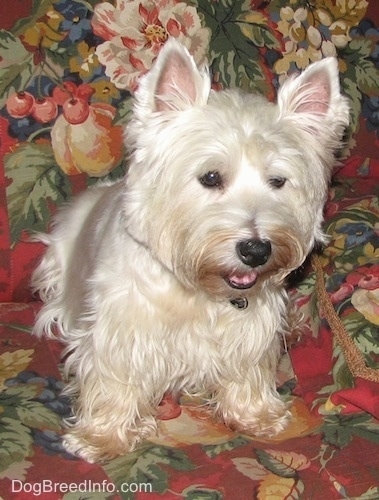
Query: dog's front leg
x=251 y=404
x=109 y=419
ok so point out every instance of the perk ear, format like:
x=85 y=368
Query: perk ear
x=314 y=99
x=174 y=82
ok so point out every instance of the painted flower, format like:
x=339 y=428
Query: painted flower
x=353 y=233
x=93 y=146
x=370 y=252
x=342 y=293
x=313 y=33
x=134 y=32
x=367 y=303
x=76 y=23
x=105 y=91
x=44 y=34
x=85 y=63
x=366 y=277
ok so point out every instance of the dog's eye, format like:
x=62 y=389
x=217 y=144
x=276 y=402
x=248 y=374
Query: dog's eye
x=277 y=182
x=211 y=179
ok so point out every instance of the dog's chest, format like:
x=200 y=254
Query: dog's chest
x=211 y=342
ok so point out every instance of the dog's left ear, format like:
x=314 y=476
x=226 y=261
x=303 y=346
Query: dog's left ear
x=174 y=82
x=314 y=99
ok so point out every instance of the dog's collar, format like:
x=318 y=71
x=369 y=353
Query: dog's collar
x=239 y=302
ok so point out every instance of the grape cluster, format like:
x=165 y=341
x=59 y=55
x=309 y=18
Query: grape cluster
x=370 y=111
x=50 y=396
x=367 y=29
x=51 y=442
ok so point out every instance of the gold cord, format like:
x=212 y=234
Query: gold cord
x=353 y=355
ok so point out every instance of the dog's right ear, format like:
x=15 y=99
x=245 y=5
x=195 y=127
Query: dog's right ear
x=174 y=83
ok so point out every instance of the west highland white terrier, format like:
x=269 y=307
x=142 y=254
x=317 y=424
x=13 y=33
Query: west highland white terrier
x=172 y=280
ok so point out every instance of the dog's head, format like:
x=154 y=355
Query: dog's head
x=224 y=188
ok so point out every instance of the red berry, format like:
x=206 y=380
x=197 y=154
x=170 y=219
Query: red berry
x=45 y=109
x=85 y=91
x=70 y=87
x=20 y=104
x=76 y=110
x=64 y=92
x=60 y=96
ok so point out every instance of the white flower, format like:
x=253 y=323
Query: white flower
x=135 y=30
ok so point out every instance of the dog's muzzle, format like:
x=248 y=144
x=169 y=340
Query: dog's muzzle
x=252 y=253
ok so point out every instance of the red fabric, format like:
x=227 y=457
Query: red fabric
x=364 y=396
x=17 y=261
x=312 y=357
x=10 y=13
x=5 y=252
x=15 y=321
x=364 y=167
x=312 y=362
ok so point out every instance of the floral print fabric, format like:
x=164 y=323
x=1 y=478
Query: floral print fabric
x=68 y=70
x=330 y=456
x=350 y=264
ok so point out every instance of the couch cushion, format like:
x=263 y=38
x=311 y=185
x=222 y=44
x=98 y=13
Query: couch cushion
x=191 y=457
x=60 y=51
x=33 y=461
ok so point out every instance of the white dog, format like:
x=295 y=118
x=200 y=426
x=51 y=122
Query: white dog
x=172 y=279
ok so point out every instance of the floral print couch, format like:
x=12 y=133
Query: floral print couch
x=68 y=69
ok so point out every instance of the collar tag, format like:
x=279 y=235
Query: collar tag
x=239 y=303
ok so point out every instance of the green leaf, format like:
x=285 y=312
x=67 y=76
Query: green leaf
x=36 y=181
x=236 y=59
x=90 y=495
x=283 y=464
x=254 y=26
x=197 y=493
x=145 y=466
x=352 y=91
x=124 y=112
x=114 y=175
x=17 y=402
x=339 y=430
x=14 y=395
x=16 y=65
x=237 y=62
x=20 y=413
x=148 y=466
x=360 y=68
x=16 y=442
x=35 y=415
x=214 y=450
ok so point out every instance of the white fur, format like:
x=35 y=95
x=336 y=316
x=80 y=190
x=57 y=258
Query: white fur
x=134 y=279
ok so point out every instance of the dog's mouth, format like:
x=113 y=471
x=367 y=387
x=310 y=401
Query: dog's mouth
x=242 y=281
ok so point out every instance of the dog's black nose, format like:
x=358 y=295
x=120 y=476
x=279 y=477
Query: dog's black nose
x=254 y=252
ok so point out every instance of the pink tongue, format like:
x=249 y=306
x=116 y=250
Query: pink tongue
x=244 y=280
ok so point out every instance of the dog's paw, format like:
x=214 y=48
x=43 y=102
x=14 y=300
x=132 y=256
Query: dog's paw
x=94 y=447
x=263 y=425
x=81 y=448
x=264 y=420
